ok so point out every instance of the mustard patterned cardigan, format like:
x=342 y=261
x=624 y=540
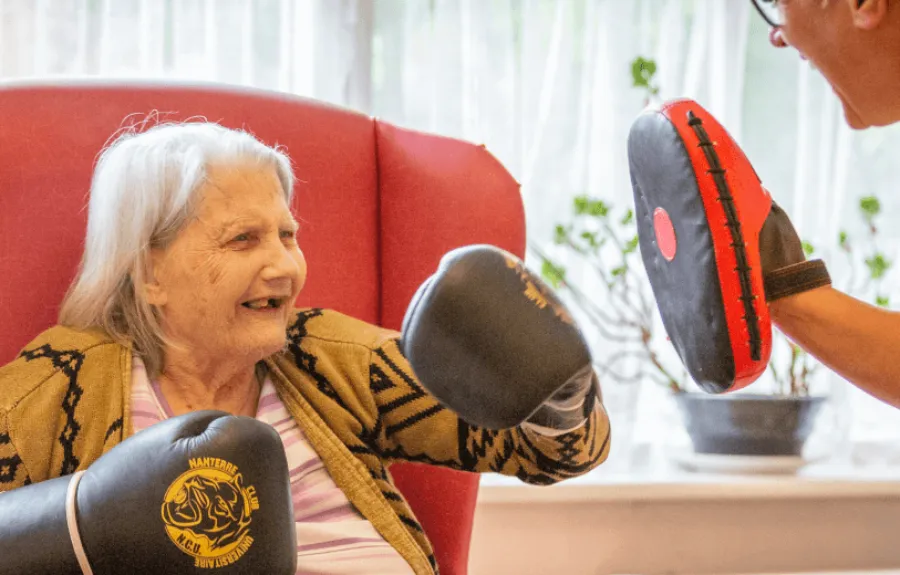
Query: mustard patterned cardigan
x=64 y=402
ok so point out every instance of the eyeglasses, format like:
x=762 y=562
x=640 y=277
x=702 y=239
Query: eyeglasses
x=770 y=11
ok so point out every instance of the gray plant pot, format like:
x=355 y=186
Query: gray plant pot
x=748 y=424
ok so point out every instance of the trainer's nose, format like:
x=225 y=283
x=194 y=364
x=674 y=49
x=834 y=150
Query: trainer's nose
x=776 y=37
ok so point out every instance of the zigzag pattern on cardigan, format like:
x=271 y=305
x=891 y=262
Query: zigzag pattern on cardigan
x=69 y=362
x=363 y=451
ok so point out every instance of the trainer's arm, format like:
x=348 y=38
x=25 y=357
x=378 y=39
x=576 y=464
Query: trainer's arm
x=859 y=341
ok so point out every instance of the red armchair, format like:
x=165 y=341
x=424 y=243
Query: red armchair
x=379 y=206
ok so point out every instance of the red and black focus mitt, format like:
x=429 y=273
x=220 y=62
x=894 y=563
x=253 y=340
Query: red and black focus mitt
x=716 y=246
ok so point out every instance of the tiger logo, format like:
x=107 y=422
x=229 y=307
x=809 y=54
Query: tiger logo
x=207 y=512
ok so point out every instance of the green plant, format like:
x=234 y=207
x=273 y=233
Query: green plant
x=606 y=240
x=642 y=72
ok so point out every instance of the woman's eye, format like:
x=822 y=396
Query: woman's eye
x=287 y=234
x=244 y=239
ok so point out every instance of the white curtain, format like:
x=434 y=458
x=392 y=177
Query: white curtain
x=318 y=48
x=545 y=84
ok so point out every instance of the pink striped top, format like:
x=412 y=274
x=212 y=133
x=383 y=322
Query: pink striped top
x=333 y=538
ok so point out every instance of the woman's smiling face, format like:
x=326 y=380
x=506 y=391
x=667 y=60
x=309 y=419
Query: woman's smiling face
x=226 y=284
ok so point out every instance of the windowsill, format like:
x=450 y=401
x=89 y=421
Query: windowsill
x=855 y=572
x=662 y=479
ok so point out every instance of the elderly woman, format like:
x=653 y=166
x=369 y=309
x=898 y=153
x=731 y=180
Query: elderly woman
x=183 y=303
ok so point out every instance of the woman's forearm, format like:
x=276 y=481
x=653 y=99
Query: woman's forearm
x=859 y=341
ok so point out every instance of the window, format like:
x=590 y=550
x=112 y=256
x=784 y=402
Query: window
x=544 y=84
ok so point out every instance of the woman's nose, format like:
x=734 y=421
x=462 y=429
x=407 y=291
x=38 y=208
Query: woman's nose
x=776 y=37
x=281 y=263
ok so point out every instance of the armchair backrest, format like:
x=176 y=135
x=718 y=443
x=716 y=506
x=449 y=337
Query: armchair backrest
x=379 y=205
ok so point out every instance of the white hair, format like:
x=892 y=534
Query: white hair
x=144 y=190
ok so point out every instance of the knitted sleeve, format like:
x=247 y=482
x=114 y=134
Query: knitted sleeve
x=413 y=426
x=12 y=471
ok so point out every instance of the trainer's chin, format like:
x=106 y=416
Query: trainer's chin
x=854 y=121
x=852 y=117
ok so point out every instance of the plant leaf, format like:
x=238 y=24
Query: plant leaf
x=587 y=206
x=808 y=248
x=627 y=218
x=870 y=207
x=553 y=273
x=561 y=235
x=642 y=71
x=882 y=301
x=842 y=240
x=631 y=245
x=878 y=265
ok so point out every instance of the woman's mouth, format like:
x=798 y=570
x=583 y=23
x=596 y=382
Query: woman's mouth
x=265 y=304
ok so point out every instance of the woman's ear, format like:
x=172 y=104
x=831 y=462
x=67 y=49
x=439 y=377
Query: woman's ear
x=868 y=14
x=154 y=293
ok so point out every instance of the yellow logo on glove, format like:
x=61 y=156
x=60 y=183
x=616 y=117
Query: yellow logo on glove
x=536 y=291
x=207 y=512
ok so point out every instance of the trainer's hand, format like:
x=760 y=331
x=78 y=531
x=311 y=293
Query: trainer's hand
x=493 y=343
x=199 y=493
x=786 y=271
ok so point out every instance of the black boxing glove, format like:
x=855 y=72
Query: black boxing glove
x=493 y=343
x=201 y=491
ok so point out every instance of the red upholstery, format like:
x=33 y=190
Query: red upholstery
x=379 y=206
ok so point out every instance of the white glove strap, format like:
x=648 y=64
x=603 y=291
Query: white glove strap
x=72 y=522
x=564 y=411
x=553 y=431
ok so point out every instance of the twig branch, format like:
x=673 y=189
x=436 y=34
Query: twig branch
x=779 y=382
x=621 y=247
x=673 y=383
x=608 y=283
x=645 y=312
x=598 y=317
x=588 y=301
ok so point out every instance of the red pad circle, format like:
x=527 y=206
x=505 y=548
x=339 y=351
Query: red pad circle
x=665 y=234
